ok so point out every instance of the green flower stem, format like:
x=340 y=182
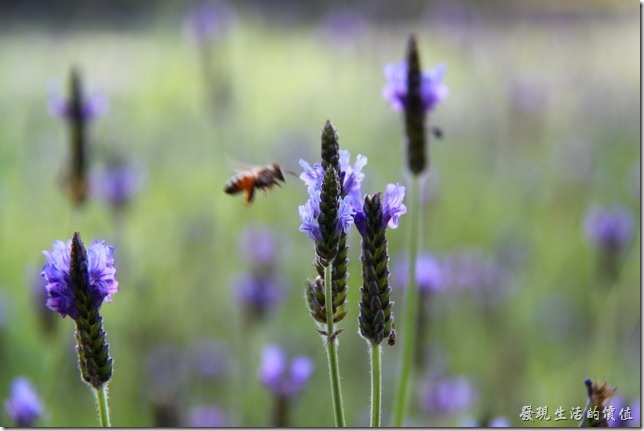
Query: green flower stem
x=376 y=390
x=103 y=409
x=410 y=309
x=332 y=353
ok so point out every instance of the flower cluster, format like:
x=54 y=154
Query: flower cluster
x=117 y=183
x=78 y=281
x=260 y=290
x=278 y=378
x=432 y=89
x=430 y=275
x=608 y=229
x=378 y=212
x=61 y=297
x=23 y=405
x=414 y=93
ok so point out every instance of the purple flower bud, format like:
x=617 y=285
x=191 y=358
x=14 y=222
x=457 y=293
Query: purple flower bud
x=23 y=404
x=102 y=284
x=433 y=90
x=609 y=229
x=448 y=396
x=208 y=21
x=429 y=273
x=207 y=417
x=259 y=245
x=273 y=372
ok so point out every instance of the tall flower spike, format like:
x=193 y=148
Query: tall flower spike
x=78 y=182
x=78 y=281
x=375 y=320
x=416 y=93
x=327 y=248
x=330 y=147
x=414 y=112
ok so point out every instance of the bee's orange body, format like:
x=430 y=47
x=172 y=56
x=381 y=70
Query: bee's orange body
x=263 y=178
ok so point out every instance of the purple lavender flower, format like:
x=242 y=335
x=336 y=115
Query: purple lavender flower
x=351 y=177
x=117 y=184
x=92 y=107
x=207 y=417
x=448 y=396
x=429 y=273
x=609 y=229
x=259 y=245
x=620 y=404
x=258 y=294
x=102 y=284
x=275 y=375
x=433 y=90
x=208 y=21
x=23 y=405
x=392 y=208
x=310 y=212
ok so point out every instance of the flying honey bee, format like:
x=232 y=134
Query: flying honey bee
x=261 y=178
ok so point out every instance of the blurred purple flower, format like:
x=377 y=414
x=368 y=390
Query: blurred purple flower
x=259 y=246
x=392 y=209
x=208 y=21
x=609 y=229
x=273 y=372
x=620 y=404
x=433 y=90
x=117 y=183
x=209 y=358
x=478 y=274
x=499 y=422
x=448 y=396
x=102 y=284
x=258 y=293
x=429 y=274
x=92 y=107
x=342 y=25
x=165 y=366
x=23 y=405
x=207 y=417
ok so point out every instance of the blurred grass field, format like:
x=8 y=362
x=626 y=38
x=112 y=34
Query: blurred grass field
x=542 y=121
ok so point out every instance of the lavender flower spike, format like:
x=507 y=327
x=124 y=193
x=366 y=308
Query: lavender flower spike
x=23 y=405
x=415 y=93
x=273 y=372
x=609 y=229
x=282 y=383
x=392 y=209
x=60 y=289
x=78 y=281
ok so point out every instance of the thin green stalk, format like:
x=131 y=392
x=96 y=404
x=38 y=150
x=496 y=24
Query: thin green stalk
x=332 y=353
x=376 y=379
x=103 y=409
x=410 y=309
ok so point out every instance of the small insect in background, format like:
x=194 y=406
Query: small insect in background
x=260 y=178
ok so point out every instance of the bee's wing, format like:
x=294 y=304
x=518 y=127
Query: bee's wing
x=239 y=166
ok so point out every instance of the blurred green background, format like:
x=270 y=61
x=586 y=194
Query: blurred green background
x=542 y=122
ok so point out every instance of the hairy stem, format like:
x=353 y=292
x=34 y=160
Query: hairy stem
x=103 y=409
x=332 y=354
x=376 y=379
